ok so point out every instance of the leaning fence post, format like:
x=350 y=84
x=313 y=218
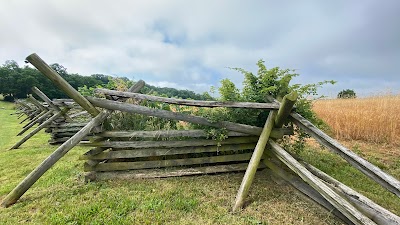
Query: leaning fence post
x=61 y=83
x=28 y=109
x=45 y=98
x=36 y=103
x=39 y=128
x=273 y=120
x=375 y=173
x=34 y=121
x=27 y=118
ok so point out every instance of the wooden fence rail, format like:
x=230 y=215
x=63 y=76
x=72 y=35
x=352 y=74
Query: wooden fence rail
x=370 y=170
x=198 y=103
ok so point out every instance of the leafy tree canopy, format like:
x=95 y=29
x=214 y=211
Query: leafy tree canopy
x=16 y=81
x=348 y=93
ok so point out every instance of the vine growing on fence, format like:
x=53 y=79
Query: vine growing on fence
x=274 y=82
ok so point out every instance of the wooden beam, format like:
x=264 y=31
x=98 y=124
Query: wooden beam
x=42 y=66
x=168 y=144
x=276 y=133
x=275 y=119
x=66 y=134
x=286 y=107
x=254 y=162
x=374 y=211
x=35 y=119
x=251 y=105
x=67 y=129
x=36 y=103
x=95 y=151
x=149 y=152
x=385 y=180
x=160 y=134
x=65 y=125
x=336 y=200
x=79 y=114
x=37 y=129
x=305 y=189
x=170 y=172
x=126 y=107
x=45 y=98
x=33 y=122
x=54 y=141
x=117 y=166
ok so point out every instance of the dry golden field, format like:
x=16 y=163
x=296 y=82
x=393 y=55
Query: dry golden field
x=373 y=119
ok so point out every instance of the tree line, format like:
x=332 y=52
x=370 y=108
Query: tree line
x=17 y=81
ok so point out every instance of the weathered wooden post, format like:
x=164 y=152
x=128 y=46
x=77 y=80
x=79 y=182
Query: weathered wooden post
x=304 y=188
x=36 y=103
x=34 y=121
x=29 y=110
x=41 y=116
x=254 y=161
x=274 y=120
x=286 y=107
x=125 y=107
x=375 y=173
x=35 y=60
x=45 y=98
x=335 y=199
x=39 y=128
x=374 y=211
x=27 y=118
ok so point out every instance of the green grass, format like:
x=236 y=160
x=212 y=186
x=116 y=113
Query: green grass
x=62 y=197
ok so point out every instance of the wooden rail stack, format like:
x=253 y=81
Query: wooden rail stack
x=165 y=153
x=187 y=150
x=64 y=128
x=62 y=118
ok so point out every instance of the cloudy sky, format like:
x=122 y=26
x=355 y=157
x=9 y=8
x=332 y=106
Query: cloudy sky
x=191 y=44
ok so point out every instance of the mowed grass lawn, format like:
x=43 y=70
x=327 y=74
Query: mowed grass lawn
x=62 y=197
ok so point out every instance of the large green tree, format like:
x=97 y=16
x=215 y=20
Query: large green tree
x=348 y=93
x=16 y=81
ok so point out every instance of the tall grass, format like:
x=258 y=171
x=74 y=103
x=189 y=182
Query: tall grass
x=373 y=119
